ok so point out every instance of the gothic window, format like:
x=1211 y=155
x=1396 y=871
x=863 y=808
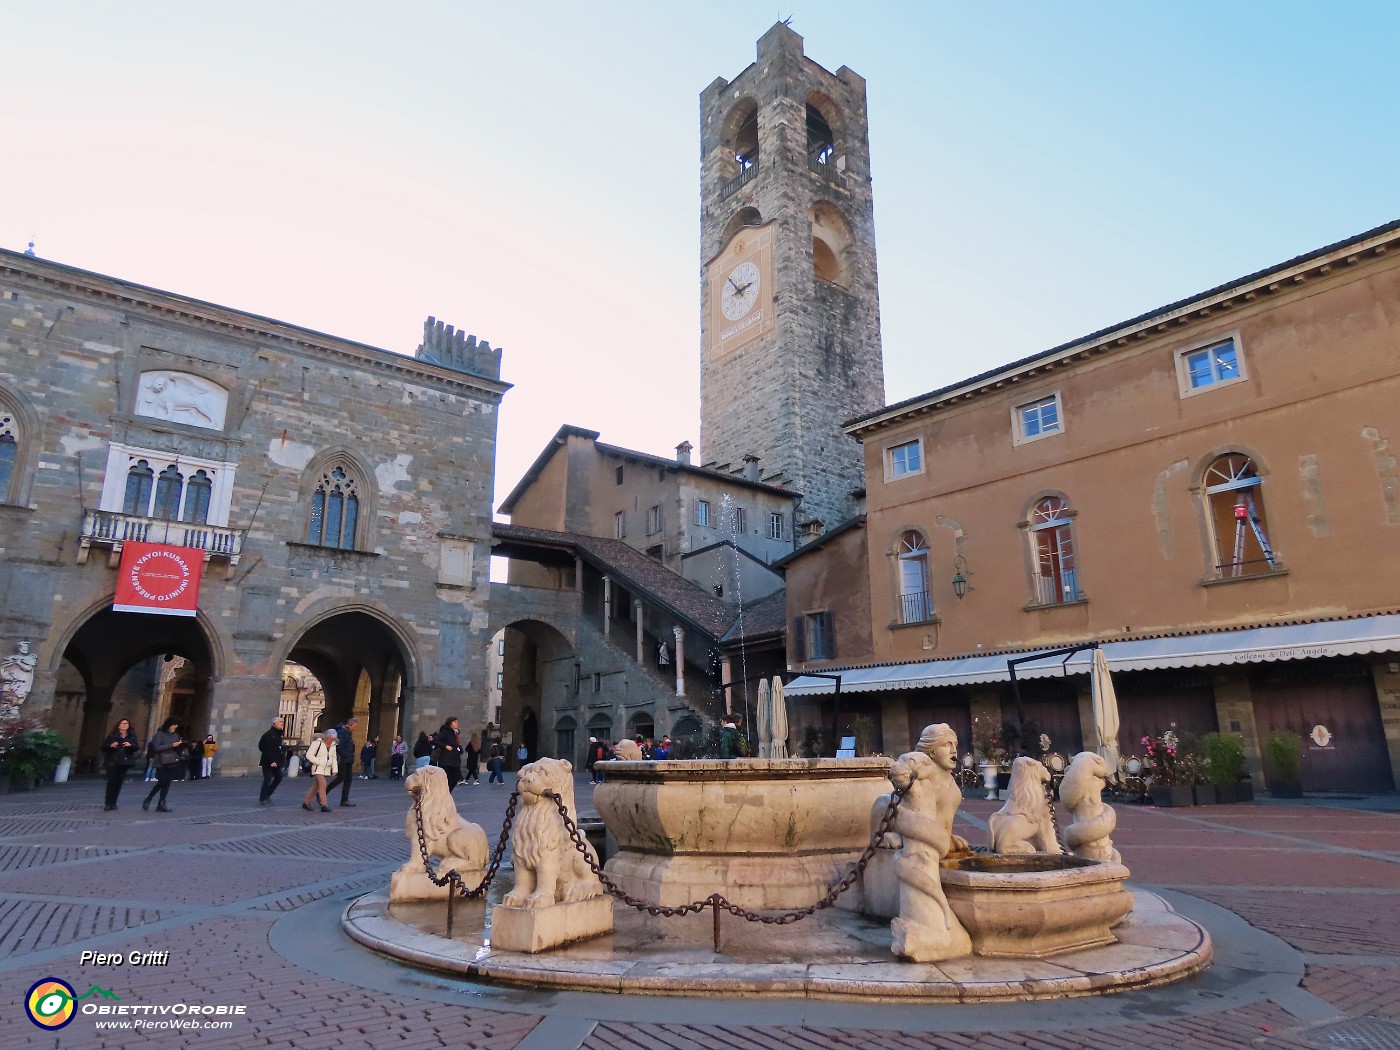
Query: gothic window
x=820 y=142
x=1052 y=552
x=170 y=486
x=139 y=481
x=911 y=557
x=197 y=493
x=9 y=451
x=1234 y=499
x=146 y=483
x=335 y=510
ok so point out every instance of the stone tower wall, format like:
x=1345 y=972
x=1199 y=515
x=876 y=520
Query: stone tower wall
x=784 y=396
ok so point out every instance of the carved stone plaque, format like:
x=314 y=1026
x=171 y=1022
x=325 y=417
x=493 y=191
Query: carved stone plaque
x=180 y=397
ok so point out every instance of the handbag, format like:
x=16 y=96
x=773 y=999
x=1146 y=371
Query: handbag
x=305 y=764
x=170 y=756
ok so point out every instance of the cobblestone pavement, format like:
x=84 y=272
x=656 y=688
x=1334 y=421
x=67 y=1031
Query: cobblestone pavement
x=246 y=901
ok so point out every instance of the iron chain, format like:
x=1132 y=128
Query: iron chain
x=452 y=876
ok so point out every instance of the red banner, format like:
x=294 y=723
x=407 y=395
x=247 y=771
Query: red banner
x=156 y=578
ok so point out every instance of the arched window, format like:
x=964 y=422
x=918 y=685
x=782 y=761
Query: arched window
x=170 y=486
x=335 y=511
x=740 y=134
x=9 y=452
x=197 y=492
x=1234 y=500
x=139 y=481
x=820 y=142
x=1052 y=552
x=911 y=554
x=564 y=731
x=831 y=240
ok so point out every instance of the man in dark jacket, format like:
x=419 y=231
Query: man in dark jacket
x=273 y=761
x=345 y=759
x=447 y=753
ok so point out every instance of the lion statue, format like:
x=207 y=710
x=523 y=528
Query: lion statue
x=548 y=866
x=1024 y=824
x=628 y=751
x=1081 y=793
x=453 y=841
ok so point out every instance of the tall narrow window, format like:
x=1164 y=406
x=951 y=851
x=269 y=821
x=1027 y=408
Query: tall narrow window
x=702 y=512
x=9 y=453
x=1052 y=547
x=197 y=492
x=1235 y=499
x=335 y=511
x=775 y=526
x=912 y=557
x=821 y=636
x=170 y=486
x=139 y=480
x=620 y=524
x=654 y=520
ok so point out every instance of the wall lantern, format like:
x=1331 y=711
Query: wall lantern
x=959 y=580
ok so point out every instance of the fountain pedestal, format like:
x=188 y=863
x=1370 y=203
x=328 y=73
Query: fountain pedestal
x=766 y=833
x=533 y=930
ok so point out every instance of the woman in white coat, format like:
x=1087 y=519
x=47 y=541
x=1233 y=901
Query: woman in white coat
x=324 y=767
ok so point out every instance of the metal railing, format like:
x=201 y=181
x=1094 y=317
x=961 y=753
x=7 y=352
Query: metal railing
x=1052 y=590
x=915 y=607
x=731 y=186
x=110 y=527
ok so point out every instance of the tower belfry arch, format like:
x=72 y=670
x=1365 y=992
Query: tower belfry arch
x=790 y=315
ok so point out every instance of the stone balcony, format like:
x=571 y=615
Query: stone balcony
x=104 y=528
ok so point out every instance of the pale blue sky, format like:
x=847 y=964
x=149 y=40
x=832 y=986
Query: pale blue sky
x=529 y=172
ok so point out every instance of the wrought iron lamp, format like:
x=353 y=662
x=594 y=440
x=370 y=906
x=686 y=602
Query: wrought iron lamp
x=959 y=580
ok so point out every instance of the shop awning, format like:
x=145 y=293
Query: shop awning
x=1304 y=641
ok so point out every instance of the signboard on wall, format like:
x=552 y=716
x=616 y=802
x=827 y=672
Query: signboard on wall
x=158 y=578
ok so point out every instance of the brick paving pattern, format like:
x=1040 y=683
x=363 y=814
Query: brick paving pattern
x=210 y=881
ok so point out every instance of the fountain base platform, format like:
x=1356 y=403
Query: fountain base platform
x=836 y=954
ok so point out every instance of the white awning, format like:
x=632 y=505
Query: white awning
x=1305 y=641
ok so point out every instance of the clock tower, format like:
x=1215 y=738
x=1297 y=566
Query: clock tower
x=790 y=312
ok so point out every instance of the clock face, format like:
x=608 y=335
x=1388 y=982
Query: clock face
x=740 y=291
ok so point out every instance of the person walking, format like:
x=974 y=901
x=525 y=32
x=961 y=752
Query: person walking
x=206 y=765
x=473 y=755
x=323 y=754
x=495 y=762
x=273 y=760
x=422 y=750
x=119 y=752
x=367 y=754
x=448 y=753
x=167 y=749
x=596 y=753
x=344 y=759
x=397 y=751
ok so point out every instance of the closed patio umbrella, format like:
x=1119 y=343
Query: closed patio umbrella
x=765 y=749
x=780 y=721
x=1105 y=712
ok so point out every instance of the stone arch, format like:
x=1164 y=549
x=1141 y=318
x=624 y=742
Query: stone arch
x=739 y=133
x=824 y=127
x=743 y=218
x=831 y=244
x=319 y=475
x=540 y=682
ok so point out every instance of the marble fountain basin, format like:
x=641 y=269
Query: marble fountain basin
x=766 y=833
x=1032 y=906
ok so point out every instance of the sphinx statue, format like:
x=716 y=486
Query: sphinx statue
x=1023 y=824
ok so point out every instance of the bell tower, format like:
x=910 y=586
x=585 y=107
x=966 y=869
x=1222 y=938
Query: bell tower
x=790 y=311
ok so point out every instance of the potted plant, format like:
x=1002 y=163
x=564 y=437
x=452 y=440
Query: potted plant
x=863 y=729
x=986 y=741
x=1283 y=764
x=1224 y=765
x=1171 y=773
x=31 y=753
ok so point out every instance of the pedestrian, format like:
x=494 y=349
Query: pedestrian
x=119 y=752
x=596 y=753
x=323 y=754
x=495 y=762
x=663 y=749
x=206 y=768
x=522 y=755
x=367 y=754
x=273 y=760
x=165 y=749
x=473 y=755
x=397 y=750
x=448 y=752
x=344 y=759
x=194 y=758
x=422 y=750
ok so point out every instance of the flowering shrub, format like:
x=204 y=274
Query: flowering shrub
x=1170 y=763
x=986 y=738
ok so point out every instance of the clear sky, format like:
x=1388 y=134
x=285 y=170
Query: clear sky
x=530 y=171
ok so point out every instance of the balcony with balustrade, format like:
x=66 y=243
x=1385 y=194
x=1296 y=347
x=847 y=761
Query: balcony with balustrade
x=110 y=529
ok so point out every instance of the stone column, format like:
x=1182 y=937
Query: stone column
x=578 y=574
x=679 y=632
x=607 y=606
x=637 y=616
x=1234 y=713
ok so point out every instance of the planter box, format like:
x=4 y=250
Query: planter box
x=1205 y=794
x=1286 y=789
x=1166 y=796
x=1244 y=791
x=1227 y=794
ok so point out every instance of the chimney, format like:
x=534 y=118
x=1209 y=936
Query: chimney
x=683 y=453
x=750 y=467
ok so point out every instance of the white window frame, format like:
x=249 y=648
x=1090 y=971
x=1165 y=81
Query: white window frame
x=1018 y=422
x=775 y=525
x=620 y=525
x=120 y=458
x=741 y=521
x=891 y=472
x=1183 y=368
x=703 y=517
x=654 y=520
